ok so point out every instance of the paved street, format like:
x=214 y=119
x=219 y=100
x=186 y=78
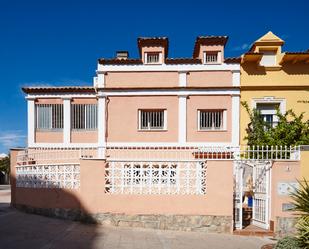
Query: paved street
x=21 y=230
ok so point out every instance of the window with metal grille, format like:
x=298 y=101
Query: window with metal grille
x=49 y=116
x=211 y=57
x=84 y=116
x=152 y=58
x=152 y=119
x=211 y=119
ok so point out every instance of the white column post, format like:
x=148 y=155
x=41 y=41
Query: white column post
x=235 y=119
x=66 y=120
x=236 y=78
x=182 y=119
x=31 y=121
x=100 y=81
x=101 y=126
x=182 y=79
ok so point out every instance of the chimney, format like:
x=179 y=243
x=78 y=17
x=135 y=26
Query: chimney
x=122 y=55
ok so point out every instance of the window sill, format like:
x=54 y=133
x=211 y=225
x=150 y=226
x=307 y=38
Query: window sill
x=205 y=130
x=272 y=68
x=79 y=131
x=52 y=130
x=213 y=63
x=159 y=63
x=152 y=130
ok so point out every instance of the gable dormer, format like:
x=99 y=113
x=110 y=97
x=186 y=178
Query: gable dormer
x=153 y=50
x=210 y=49
x=269 y=49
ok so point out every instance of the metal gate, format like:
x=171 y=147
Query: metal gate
x=261 y=192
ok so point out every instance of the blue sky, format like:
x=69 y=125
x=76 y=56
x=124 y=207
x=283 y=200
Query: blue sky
x=59 y=42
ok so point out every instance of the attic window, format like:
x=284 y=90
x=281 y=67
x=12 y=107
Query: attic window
x=211 y=57
x=153 y=58
x=268 y=58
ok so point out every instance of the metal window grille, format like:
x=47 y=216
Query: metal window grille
x=84 y=116
x=49 y=116
x=153 y=57
x=211 y=57
x=151 y=119
x=211 y=119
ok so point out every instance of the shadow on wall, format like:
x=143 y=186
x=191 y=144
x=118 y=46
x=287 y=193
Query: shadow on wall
x=297 y=68
x=57 y=203
x=252 y=68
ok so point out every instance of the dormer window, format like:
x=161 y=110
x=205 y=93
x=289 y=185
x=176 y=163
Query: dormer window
x=153 y=58
x=268 y=58
x=211 y=57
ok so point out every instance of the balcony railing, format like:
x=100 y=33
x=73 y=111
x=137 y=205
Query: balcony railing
x=41 y=156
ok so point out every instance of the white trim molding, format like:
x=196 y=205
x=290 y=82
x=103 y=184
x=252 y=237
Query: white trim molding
x=66 y=120
x=236 y=78
x=182 y=119
x=143 y=92
x=182 y=79
x=235 y=119
x=270 y=100
x=101 y=126
x=31 y=121
x=167 y=68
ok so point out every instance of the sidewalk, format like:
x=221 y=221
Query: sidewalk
x=21 y=230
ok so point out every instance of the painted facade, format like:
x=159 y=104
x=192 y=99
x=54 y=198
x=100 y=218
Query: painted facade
x=125 y=87
x=163 y=136
x=273 y=78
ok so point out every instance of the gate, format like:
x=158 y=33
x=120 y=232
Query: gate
x=260 y=170
x=261 y=194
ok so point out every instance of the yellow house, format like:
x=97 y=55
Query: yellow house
x=271 y=78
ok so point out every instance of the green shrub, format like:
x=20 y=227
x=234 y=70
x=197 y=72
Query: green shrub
x=288 y=243
x=302 y=227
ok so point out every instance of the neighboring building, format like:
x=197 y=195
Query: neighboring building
x=151 y=100
x=271 y=78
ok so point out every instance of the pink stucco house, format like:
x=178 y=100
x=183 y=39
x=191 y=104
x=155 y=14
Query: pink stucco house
x=154 y=142
x=151 y=100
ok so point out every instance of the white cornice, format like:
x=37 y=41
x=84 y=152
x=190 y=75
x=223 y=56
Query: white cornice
x=167 y=68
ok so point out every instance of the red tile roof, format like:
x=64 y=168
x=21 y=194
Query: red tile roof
x=183 y=61
x=82 y=89
x=208 y=40
x=116 y=61
x=232 y=60
x=153 y=41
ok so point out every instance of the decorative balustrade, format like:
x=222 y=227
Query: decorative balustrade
x=155 y=178
x=138 y=170
x=48 y=176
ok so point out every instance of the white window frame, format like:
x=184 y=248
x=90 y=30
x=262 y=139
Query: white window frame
x=160 y=59
x=218 y=53
x=224 y=120
x=149 y=128
x=89 y=124
x=270 y=100
x=269 y=58
x=48 y=117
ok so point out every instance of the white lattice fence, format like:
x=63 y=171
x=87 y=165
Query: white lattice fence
x=48 y=176
x=155 y=177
